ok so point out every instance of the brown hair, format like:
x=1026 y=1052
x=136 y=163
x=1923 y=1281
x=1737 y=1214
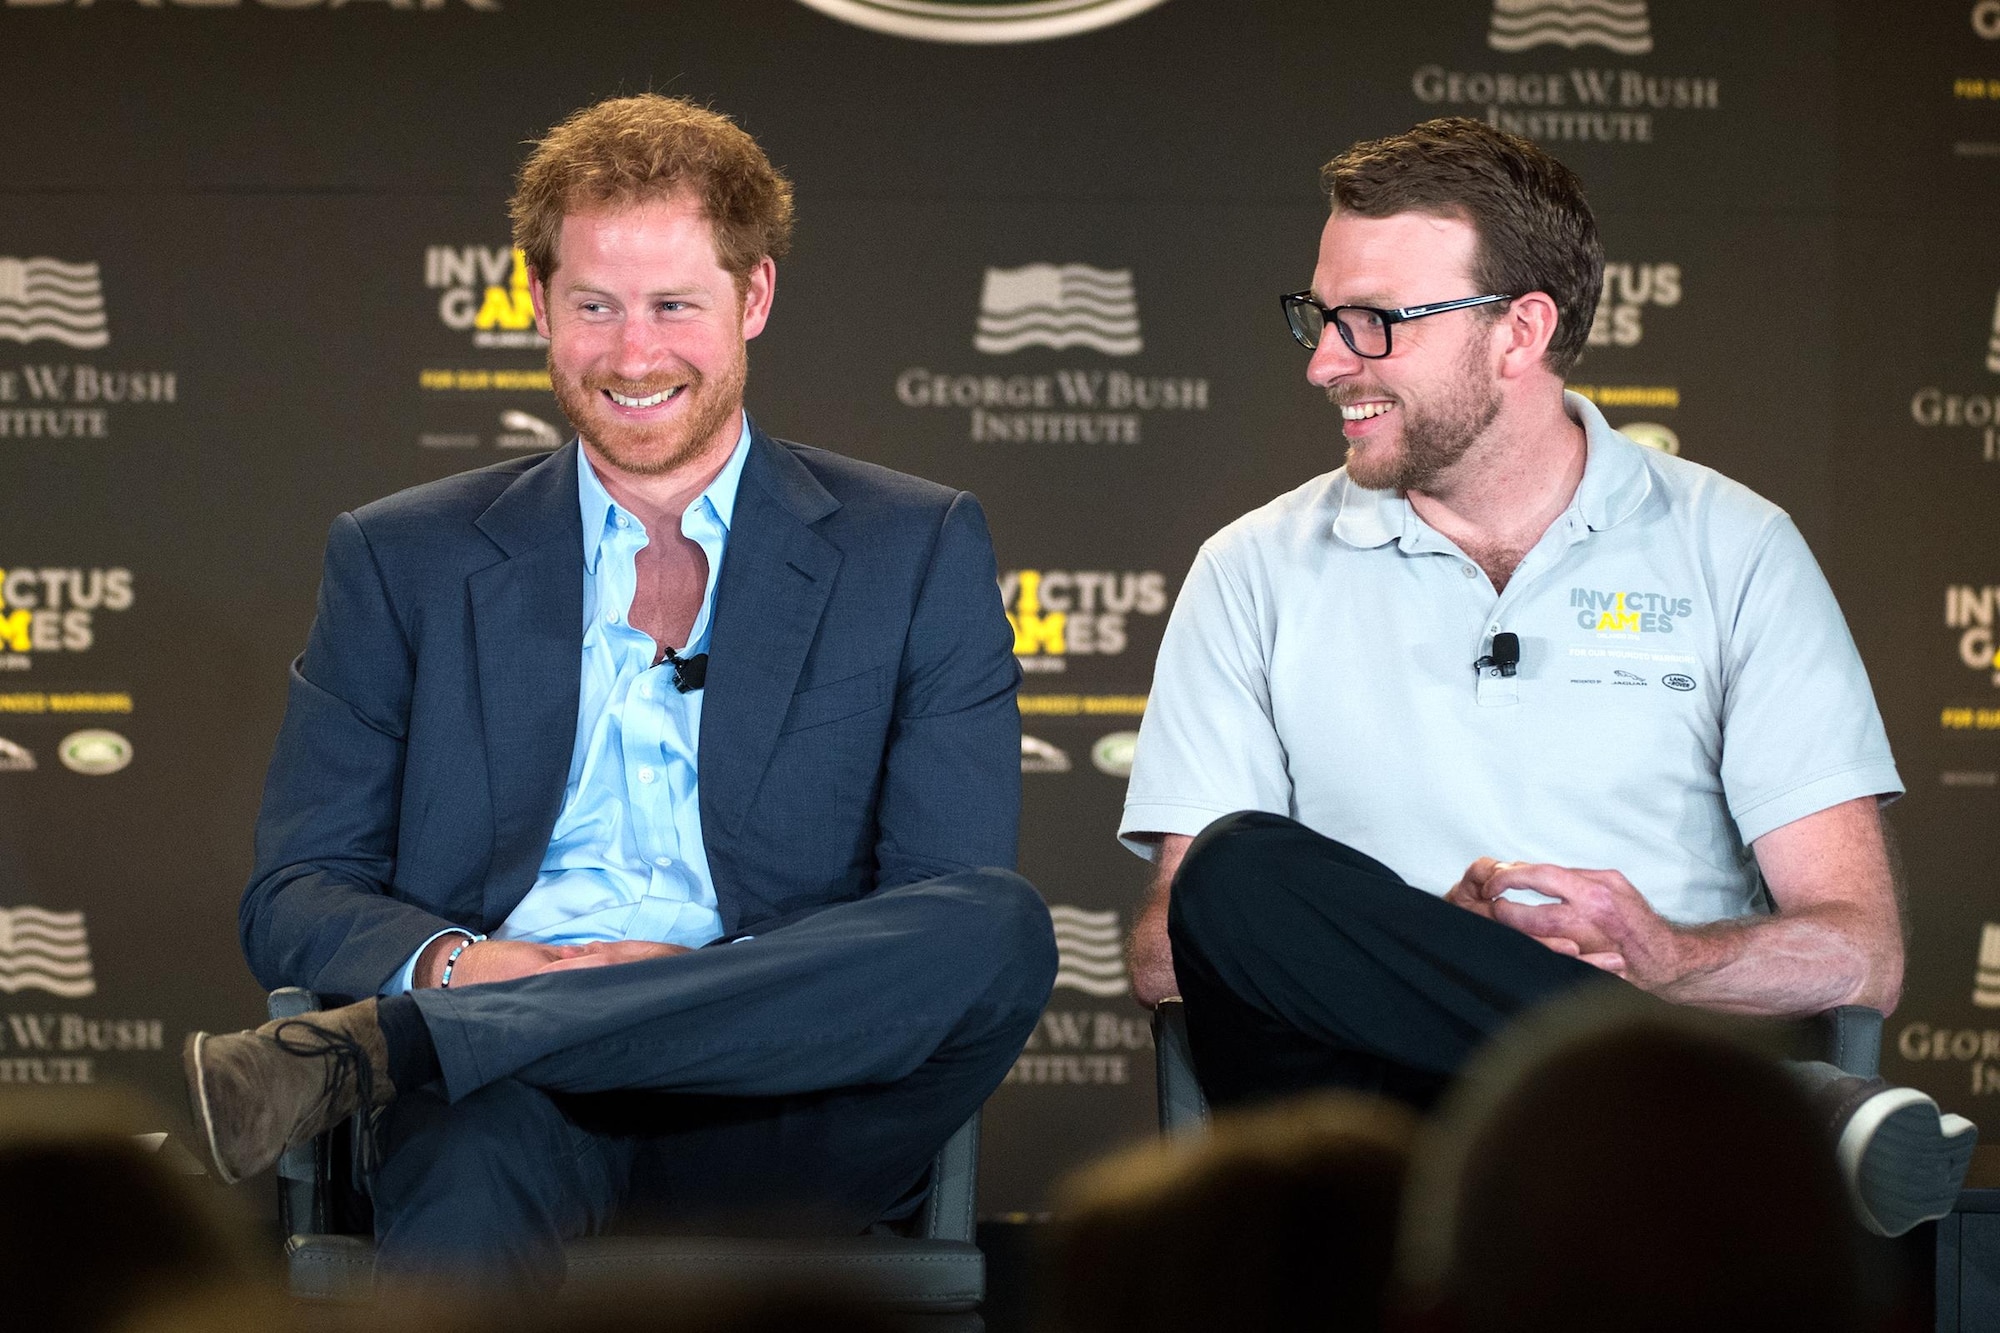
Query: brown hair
x=1535 y=230
x=631 y=150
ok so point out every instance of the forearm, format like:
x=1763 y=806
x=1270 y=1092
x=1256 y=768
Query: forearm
x=1149 y=955
x=309 y=927
x=1797 y=963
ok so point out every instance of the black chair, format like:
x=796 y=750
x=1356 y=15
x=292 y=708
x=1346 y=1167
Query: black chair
x=936 y=1270
x=1849 y=1037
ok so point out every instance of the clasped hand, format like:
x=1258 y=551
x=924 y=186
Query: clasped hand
x=504 y=960
x=1598 y=916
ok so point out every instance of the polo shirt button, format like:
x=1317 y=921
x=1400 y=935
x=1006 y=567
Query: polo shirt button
x=663 y=861
x=646 y=775
x=1468 y=571
x=624 y=522
x=646 y=689
x=610 y=617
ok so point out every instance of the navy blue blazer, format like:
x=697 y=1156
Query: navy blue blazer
x=860 y=729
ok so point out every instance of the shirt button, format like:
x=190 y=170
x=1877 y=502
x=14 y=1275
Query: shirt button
x=1468 y=571
x=645 y=689
x=663 y=861
x=610 y=617
x=624 y=522
x=647 y=774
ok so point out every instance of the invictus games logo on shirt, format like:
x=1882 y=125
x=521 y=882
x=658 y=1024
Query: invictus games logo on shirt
x=982 y=21
x=1597 y=103
x=1062 y=308
x=55 y=610
x=1059 y=613
x=1620 y=612
x=483 y=290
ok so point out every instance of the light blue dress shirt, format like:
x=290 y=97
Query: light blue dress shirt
x=626 y=860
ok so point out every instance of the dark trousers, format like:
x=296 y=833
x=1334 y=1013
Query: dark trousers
x=1306 y=964
x=799 y=1081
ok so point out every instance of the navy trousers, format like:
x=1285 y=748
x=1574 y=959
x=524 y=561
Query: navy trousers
x=799 y=1081
x=1307 y=964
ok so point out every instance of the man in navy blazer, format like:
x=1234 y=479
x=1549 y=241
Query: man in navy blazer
x=649 y=804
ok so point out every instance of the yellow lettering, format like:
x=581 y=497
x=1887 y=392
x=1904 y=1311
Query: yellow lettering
x=1039 y=634
x=14 y=631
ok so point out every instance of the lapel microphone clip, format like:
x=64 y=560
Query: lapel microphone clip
x=1505 y=657
x=690 y=673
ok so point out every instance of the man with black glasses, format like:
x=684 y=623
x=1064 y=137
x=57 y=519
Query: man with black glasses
x=1502 y=644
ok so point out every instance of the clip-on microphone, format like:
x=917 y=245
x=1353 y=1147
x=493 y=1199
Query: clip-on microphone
x=1504 y=658
x=690 y=673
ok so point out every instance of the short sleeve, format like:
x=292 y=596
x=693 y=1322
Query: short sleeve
x=1207 y=745
x=1800 y=730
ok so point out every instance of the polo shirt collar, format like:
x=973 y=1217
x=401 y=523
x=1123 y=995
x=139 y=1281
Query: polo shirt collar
x=1616 y=481
x=600 y=510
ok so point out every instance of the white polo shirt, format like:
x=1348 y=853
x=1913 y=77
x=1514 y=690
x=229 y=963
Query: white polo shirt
x=1686 y=685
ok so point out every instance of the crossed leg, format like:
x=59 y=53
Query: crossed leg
x=811 y=1073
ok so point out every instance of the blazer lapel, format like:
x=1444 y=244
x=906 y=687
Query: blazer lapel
x=777 y=574
x=527 y=620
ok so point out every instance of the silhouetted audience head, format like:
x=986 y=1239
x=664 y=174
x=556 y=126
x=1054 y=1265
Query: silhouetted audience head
x=93 y=1221
x=1281 y=1218
x=1612 y=1163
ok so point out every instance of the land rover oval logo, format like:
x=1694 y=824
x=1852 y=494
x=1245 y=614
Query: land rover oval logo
x=1113 y=754
x=982 y=20
x=1677 y=682
x=94 y=752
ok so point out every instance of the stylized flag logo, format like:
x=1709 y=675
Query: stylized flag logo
x=1986 y=981
x=46 y=298
x=45 y=951
x=1621 y=25
x=1088 y=953
x=1046 y=305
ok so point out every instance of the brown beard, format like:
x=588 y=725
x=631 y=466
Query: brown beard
x=1436 y=437
x=648 y=451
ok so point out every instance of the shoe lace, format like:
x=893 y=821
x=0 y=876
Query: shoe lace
x=346 y=1064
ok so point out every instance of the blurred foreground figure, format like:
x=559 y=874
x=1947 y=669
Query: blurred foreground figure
x=1603 y=1167
x=646 y=1308
x=1509 y=701
x=1281 y=1219
x=663 y=788
x=94 y=1224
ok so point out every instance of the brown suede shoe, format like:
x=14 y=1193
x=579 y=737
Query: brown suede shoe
x=255 y=1094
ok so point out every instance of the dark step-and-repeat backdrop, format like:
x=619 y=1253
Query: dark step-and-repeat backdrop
x=255 y=270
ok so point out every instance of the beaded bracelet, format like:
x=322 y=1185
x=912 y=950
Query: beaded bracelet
x=451 y=960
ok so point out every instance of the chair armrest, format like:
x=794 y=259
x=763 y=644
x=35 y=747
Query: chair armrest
x=1850 y=1036
x=301 y=1170
x=1183 y=1107
x=951 y=1211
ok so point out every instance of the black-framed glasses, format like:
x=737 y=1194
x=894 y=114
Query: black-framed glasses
x=1364 y=328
